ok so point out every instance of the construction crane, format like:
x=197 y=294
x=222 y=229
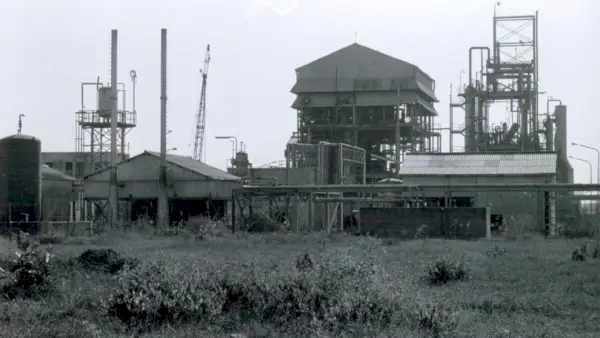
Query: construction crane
x=201 y=115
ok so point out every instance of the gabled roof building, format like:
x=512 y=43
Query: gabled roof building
x=186 y=178
x=194 y=188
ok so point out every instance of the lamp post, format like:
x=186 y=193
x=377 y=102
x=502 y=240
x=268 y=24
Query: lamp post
x=586 y=161
x=597 y=153
x=597 y=165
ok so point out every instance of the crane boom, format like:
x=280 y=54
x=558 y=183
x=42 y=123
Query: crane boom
x=201 y=115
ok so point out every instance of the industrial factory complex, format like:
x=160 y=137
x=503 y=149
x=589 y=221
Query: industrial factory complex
x=366 y=154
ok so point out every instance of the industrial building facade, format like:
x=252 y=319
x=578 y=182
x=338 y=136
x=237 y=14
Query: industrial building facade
x=78 y=164
x=489 y=168
x=361 y=97
x=194 y=188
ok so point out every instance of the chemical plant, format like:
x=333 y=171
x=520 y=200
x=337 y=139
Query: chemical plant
x=366 y=155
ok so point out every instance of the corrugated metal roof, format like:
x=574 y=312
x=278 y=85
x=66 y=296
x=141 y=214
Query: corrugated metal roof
x=53 y=174
x=197 y=167
x=365 y=53
x=479 y=164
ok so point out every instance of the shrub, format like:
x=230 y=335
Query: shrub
x=495 y=252
x=337 y=292
x=577 y=256
x=437 y=321
x=105 y=260
x=28 y=276
x=50 y=239
x=443 y=271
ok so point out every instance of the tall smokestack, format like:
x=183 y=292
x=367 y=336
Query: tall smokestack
x=560 y=138
x=113 y=198
x=163 y=198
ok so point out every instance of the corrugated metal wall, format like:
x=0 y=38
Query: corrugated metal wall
x=139 y=177
x=523 y=206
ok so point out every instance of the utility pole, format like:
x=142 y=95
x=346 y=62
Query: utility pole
x=163 y=197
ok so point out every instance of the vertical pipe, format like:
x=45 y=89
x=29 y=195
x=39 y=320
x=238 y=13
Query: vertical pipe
x=113 y=198
x=310 y=211
x=536 y=63
x=341 y=170
x=451 y=136
x=364 y=178
x=163 y=206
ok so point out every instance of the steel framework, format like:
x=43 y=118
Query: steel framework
x=382 y=104
x=244 y=199
x=93 y=136
x=93 y=141
x=199 y=145
x=507 y=72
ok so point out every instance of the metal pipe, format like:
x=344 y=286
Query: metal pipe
x=471 y=59
x=133 y=76
x=163 y=202
x=332 y=188
x=364 y=166
x=451 y=141
x=341 y=182
x=550 y=99
x=113 y=200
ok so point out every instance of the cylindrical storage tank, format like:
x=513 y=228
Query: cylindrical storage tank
x=21 y=190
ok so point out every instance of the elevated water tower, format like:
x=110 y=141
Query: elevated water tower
x=93 y=141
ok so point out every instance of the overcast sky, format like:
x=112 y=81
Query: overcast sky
x=50 y=47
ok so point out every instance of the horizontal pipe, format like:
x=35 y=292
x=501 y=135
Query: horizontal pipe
x=515 y=18
x=373 y=188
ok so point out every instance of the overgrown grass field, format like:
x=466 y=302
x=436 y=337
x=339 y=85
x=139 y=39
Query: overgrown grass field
x=290 y=285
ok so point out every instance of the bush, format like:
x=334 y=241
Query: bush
x=50 y=239
x=443 y=271
x=28 y=276
x=105 y=260
x=577 y=256
x=437 y=320
x=337 y=292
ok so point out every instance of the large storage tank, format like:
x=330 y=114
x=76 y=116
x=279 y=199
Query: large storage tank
x=20 y=182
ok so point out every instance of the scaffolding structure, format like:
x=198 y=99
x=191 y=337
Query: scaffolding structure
x=506 y=73
x=383 y=105
x=93 y=131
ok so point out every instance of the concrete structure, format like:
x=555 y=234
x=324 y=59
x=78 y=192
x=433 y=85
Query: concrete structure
x=411 y=223
x=59 y=194
x=364 y=98
x=488 y=168
x=193 y=187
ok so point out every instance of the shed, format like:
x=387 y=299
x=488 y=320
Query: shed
x=58 y=194
x=488 y=168
x=193 y=187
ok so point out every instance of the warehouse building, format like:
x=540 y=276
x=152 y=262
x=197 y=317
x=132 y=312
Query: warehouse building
x=194 y=188
x=488 y=168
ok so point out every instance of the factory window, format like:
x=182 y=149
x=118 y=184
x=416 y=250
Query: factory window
x=69 y=168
